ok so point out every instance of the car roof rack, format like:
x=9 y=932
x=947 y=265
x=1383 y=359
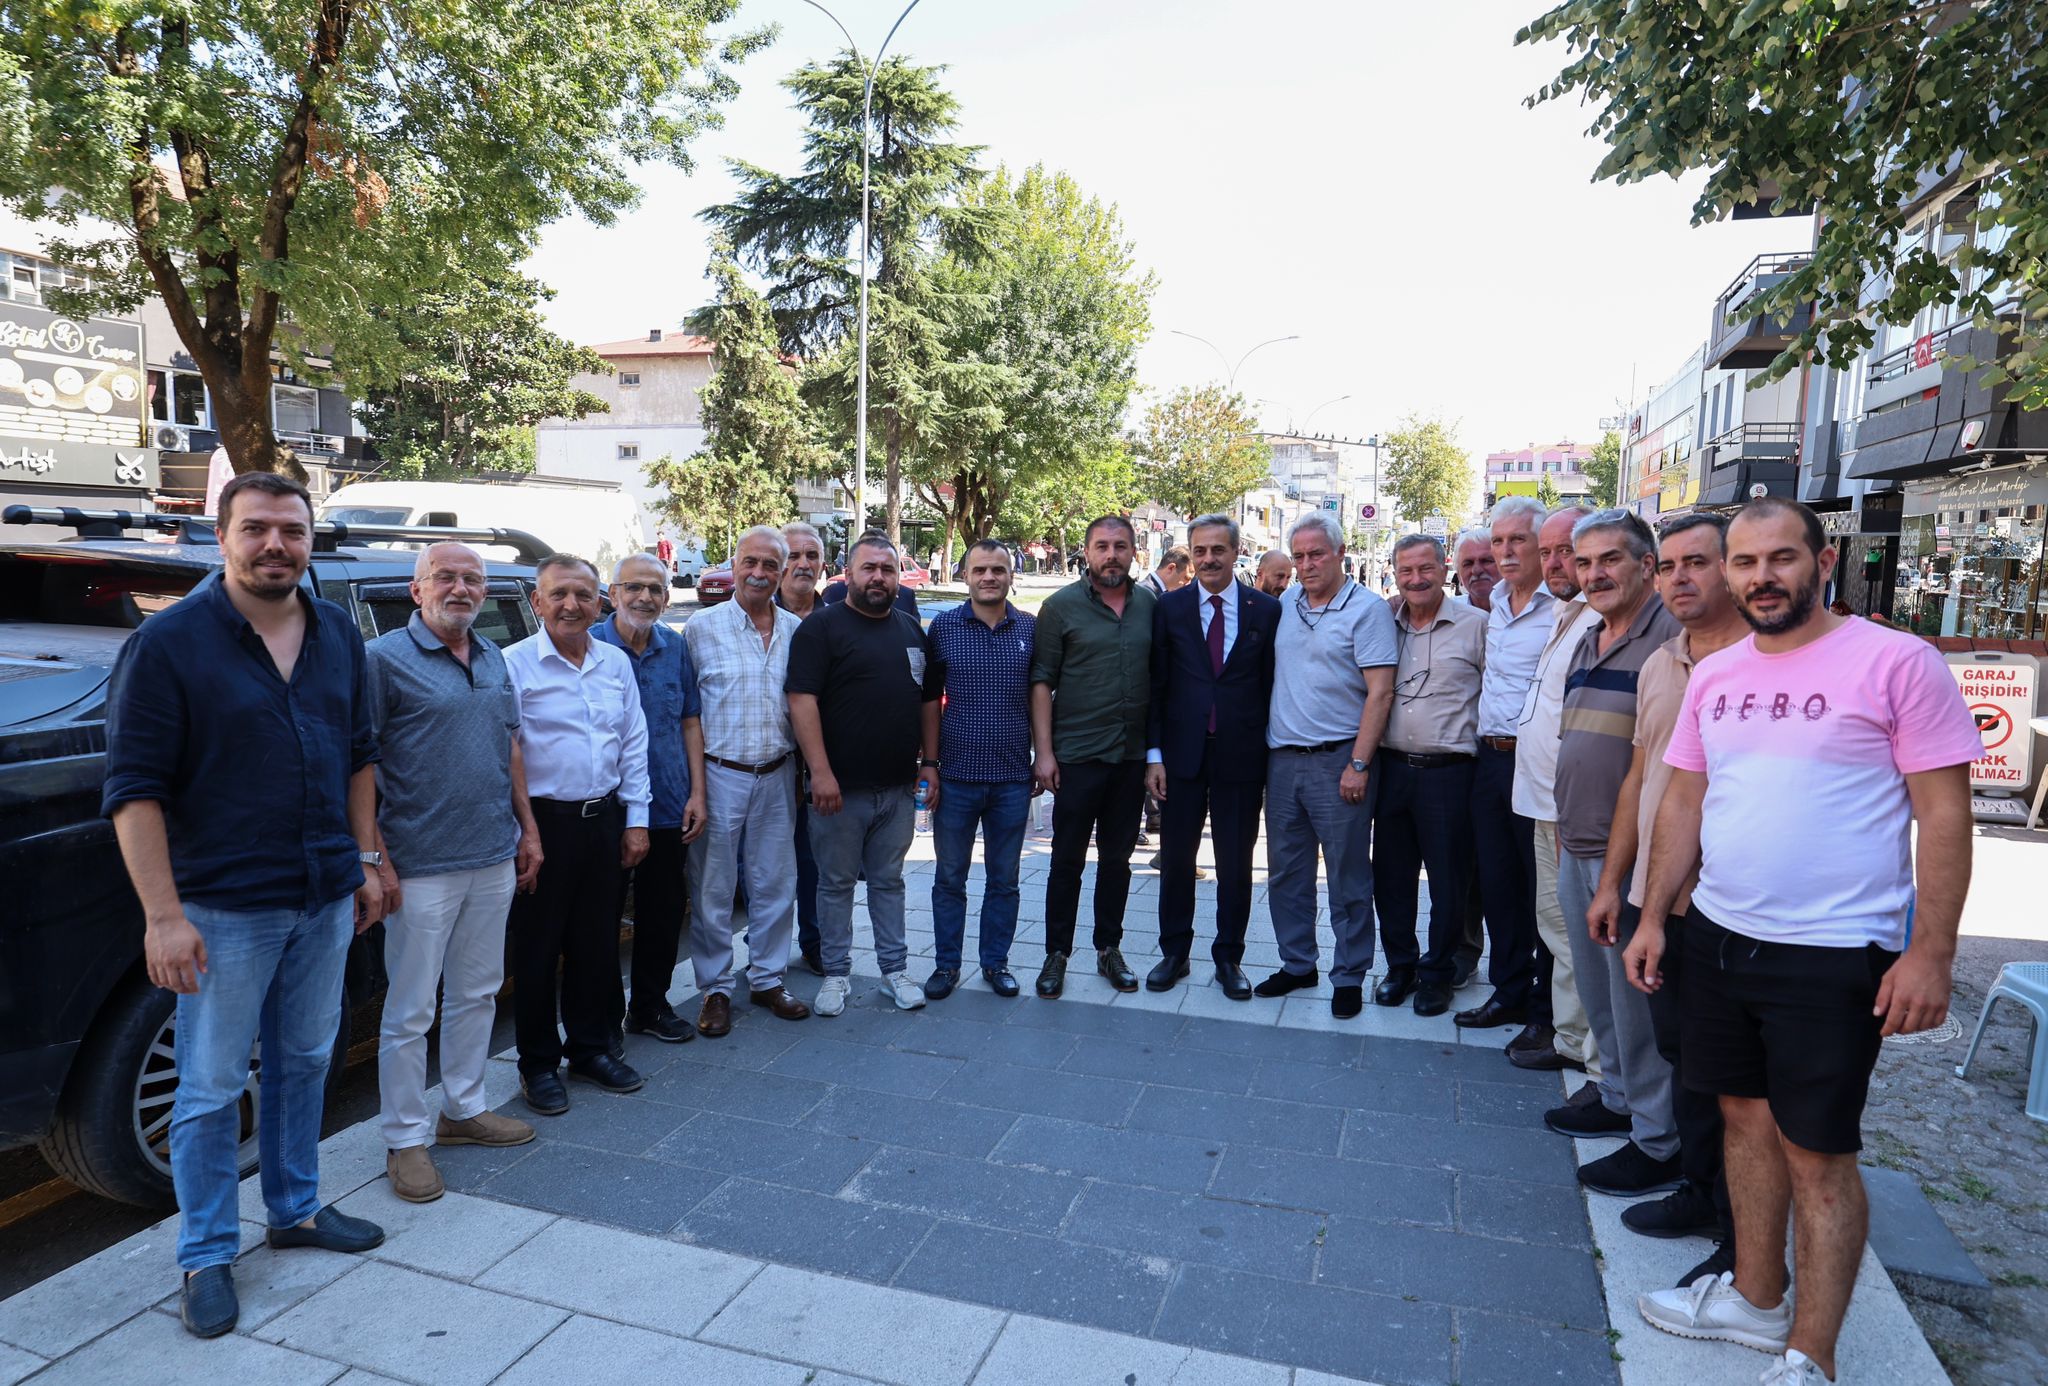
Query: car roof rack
x=328 y=535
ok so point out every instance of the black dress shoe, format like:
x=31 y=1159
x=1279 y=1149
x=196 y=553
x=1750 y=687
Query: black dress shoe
x=617 y=1047
x=668 y=1027
x=1394 y=987
x=1687 y=1211
x=544 y=1093
x=1280 y=983
x=603 y=1071
x=1586 y=1118
x=1631 y=1172
x=1000 y=981
x=1230 y=979
x=1110 y=963
x=940 y=984
x=1169 y=971
x=332 y=1230
x=814 y=959
x=1534 y=1036
x=207 y=1303
x=1432 y=998
x=1346 y=1002
x=1543 y=1060
x=1491 y=1014
x=1462 y=969
x=1052 y=978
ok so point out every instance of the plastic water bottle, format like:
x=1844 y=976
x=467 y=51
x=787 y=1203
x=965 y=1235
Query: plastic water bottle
x=924 y=814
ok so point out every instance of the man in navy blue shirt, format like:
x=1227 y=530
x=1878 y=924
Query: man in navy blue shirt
x=983 y=648
x=675 y=771
x=240 y=779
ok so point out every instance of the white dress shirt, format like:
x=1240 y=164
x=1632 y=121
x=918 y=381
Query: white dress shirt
x=1514 y=645
x=581 y=729
x=1206 y=613
x=1535 y=793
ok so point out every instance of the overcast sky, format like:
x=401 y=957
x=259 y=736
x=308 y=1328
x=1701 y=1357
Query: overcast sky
x=1362 y=176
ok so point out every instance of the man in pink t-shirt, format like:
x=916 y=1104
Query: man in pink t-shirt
x=1794 y=968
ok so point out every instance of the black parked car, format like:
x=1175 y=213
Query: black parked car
x=87 y=1059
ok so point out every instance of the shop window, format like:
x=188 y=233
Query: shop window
x=295 y=408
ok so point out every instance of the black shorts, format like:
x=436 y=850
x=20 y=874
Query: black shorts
x=1787 y=1022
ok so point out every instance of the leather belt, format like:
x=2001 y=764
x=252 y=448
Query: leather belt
x=578 y=808
x=1435 y=760
x=762 y=769
x=1315 y=750
x=1498 y=743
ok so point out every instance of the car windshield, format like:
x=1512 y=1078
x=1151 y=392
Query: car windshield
x=366 y=514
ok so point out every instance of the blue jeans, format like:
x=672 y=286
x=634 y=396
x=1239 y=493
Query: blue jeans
x=274 y=974
x=1000 y=811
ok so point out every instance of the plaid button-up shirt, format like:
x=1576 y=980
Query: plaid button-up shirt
x=739 y=683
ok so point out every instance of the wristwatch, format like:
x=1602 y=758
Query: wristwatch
x=1359 y=766
x=370 y=858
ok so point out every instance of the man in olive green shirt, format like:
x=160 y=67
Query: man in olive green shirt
x=1091 y=682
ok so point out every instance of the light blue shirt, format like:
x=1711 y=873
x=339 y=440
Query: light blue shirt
x=1514 y=647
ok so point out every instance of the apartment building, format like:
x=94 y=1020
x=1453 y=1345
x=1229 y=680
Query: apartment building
x=1521 y=471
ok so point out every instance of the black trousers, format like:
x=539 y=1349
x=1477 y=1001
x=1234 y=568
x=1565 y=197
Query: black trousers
x=1423 y=819
x=806 y=879
x=1103 y=799
x=570 y=919
x=1697 y=1114
x=660 y=908
x=1504 y=846
x=1232 y=811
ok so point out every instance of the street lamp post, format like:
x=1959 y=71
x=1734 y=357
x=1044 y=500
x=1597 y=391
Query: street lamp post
x=867 y=139
x=1319 y=409
x=1230 y=382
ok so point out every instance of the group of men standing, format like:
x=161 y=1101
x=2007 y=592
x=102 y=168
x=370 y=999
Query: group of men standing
x=1593 y=750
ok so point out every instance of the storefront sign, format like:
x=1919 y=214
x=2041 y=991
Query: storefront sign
x=73 y=401
x=1996 y=489
x=2000 y=692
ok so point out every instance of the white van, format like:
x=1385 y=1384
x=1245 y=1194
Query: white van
x=591 y=519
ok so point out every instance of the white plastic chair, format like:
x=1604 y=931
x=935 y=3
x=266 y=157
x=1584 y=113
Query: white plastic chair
x=2039 y=727
x=2026 y=983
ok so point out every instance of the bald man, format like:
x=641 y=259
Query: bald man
x=1276 y=570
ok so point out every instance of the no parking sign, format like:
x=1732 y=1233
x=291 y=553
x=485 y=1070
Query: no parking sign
x=1999 y=689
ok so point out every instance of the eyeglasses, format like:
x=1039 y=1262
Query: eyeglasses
x=639 y=589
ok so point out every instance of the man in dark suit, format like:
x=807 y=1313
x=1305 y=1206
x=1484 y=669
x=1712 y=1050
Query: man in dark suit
x=1212 y=680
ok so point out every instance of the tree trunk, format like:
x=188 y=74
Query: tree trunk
x=895 y=475
x=246 y=432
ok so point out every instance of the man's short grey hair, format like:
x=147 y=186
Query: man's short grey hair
x=1508 y=507
x=808 y=531
x=1636 y=535
x=1474 y=535
x=1409 y=541
x=423 y=565
x=769 y=533
x=1322 y=523
x=1210 y=522
x=619 y=569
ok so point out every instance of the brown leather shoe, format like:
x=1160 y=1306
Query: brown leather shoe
x=485 y=1128
x=781 y=1003
x=714 y=1021
x=412 y=1174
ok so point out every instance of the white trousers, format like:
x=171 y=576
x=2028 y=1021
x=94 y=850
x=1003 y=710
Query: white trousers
x=449 y=935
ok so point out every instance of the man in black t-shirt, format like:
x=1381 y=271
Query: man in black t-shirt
x=864 y=704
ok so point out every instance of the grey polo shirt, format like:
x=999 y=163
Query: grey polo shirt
x=445 y=782
x=1318 y=656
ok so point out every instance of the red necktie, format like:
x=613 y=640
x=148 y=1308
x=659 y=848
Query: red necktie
x=1215 y=649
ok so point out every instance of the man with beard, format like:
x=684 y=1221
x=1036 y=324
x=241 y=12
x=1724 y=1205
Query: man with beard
x=1793 y=964
x=675 y=771
x=452 y=814
x=1091 y=681
x=1616 y=556
x=1275 y=571
x=240 y=745
x=1212 y=683
x=1557 y=1035
x=583 y=738
x=798 y=595
x=1689 y=580
x=983 y=650
x=741 y=652
x=864 y=706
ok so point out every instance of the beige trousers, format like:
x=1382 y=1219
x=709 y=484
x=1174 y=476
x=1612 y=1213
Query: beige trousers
x=1568 y=1014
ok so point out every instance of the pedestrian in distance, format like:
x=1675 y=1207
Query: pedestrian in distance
x=798 y=595
x=1275 y=571
x=457 y=837
x=240 y=745
x=1173 y=573
x=741 y=653
x=583 y=738
x=864 y=707
x=1091 y=679
x=1805 y=946
x=983 y=652
x=1333 y=686
x=667 y=682
x=1212 y=689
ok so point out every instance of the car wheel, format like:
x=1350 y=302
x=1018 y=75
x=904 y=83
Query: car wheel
x=112 y=1131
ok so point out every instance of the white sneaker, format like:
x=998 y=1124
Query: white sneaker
x=1711 y=1307
x=1796 y=1370
x=831 y=997
x=909 y=995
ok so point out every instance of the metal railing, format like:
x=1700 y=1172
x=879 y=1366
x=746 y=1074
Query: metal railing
x=1786 y=262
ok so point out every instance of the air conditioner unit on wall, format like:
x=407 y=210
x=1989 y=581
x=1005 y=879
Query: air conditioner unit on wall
x=170 y=438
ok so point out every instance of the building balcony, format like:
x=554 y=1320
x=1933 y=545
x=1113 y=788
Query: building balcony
x=1923 y=414
x=1736 y=341
x=1746 y=457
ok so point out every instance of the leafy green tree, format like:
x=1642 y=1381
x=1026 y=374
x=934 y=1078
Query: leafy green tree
x=1427 y=472
x=1056 y=503
x=1603 y=470
x=280 y=173
x=1547 y=494
x=1199 y=450
x=1850 y=107
x=487 y=371
x=797 y=230
x=759 y=436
